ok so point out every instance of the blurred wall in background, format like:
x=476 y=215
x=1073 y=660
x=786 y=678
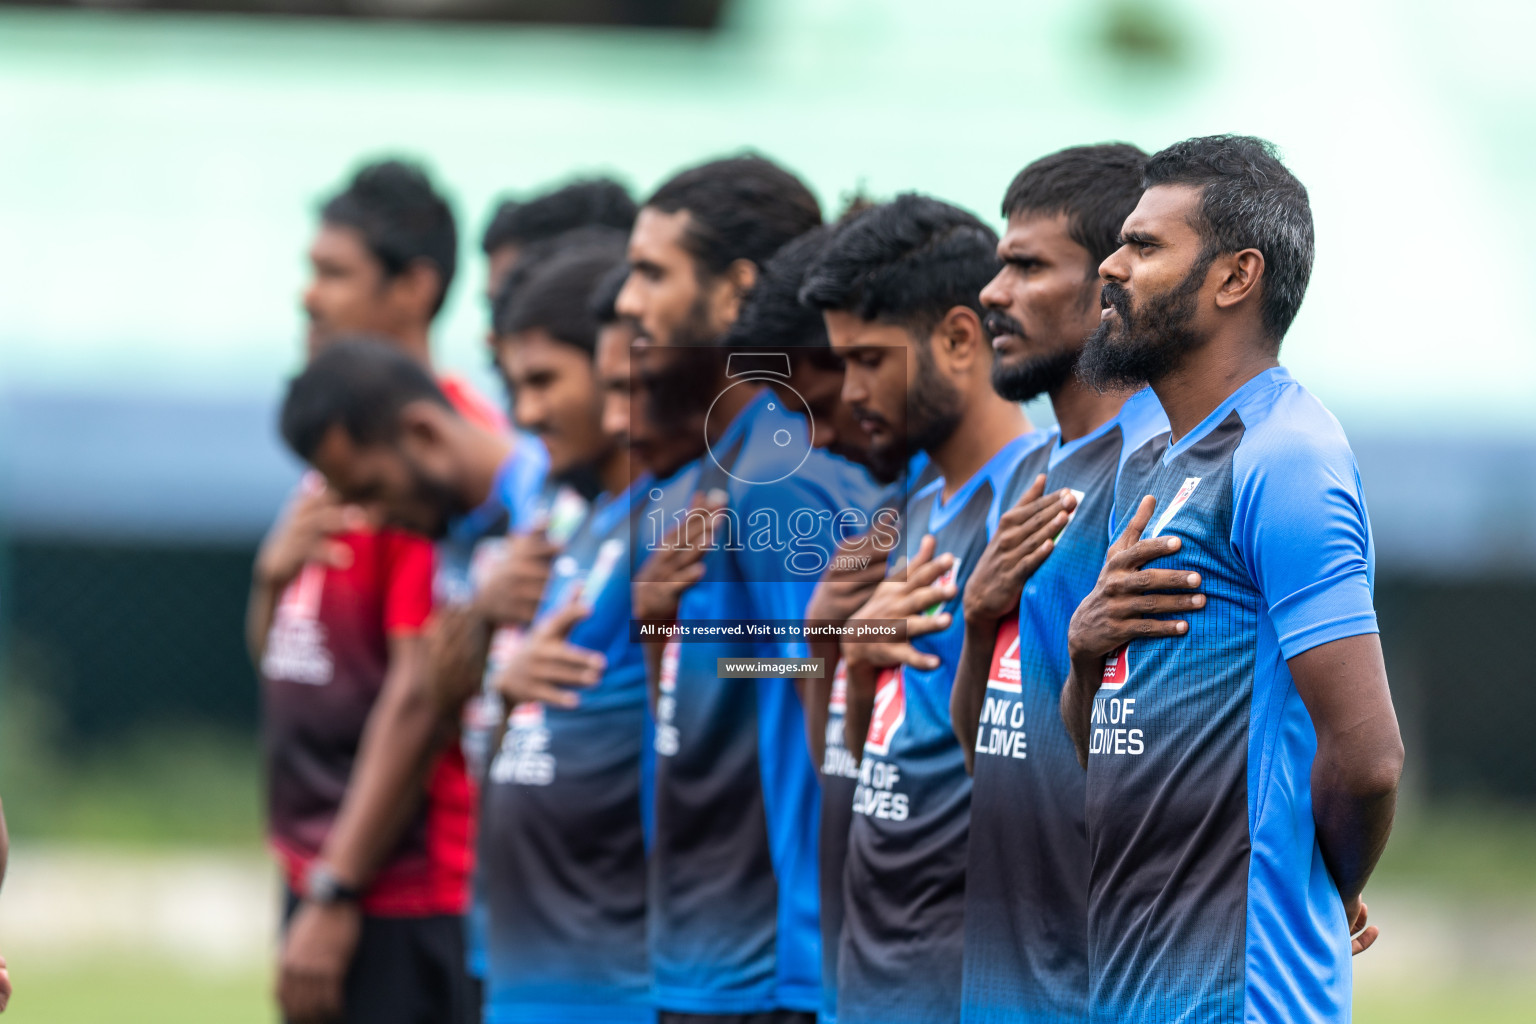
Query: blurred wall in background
x=159 y=176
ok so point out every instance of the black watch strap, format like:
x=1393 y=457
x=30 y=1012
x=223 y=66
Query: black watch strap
x=321 y=885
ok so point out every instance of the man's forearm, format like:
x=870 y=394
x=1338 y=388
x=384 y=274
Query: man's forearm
x=970 y=688
x=860 y=707
x=388 y=778
x=653 y=650
x=1077 y=703
x=816 y=694
x=1353 y=807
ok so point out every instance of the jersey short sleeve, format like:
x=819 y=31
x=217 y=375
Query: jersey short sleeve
x=1299 y=524
x=407 y=579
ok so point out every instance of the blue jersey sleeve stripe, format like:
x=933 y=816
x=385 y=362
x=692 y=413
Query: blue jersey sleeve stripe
x=1328 y=610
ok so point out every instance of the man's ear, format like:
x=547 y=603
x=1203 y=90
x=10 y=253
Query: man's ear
x=1240 y=276
x=417 y=288
x=423 y=426
x=730 y=290
x=960 y=342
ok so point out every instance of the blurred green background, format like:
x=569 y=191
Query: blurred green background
x=159 y=175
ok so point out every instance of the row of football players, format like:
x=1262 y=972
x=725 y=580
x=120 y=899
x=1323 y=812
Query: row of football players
x=1130 y=754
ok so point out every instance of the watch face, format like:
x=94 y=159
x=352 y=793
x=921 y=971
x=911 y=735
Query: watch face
x=785 y=447
x=319 y=886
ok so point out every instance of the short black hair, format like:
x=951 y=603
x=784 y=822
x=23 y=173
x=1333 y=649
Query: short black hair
x=359 y=383
x=1248 y=200
x=906 y=262
x=603 y=303
x=576 y=204
x=739 y=208
x=773 y=315
x=586 y=236
x=1095 y=187
x=555 y=293
x=403 y=220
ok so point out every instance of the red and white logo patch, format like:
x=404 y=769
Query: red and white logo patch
x=890 y=711
x=837 y=704
x=669 y=658
x=1186 y=489
x=527 y=715
x=1005 y=673
x=1117 y=669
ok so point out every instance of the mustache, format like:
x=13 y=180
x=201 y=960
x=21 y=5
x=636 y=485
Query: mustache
x=865 y=413
x=1113 y=294
x=999 y=323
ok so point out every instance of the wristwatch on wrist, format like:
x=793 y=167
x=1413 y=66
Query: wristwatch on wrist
x=323 y=887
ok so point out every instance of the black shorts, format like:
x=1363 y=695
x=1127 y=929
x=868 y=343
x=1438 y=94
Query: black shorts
x=407 y=970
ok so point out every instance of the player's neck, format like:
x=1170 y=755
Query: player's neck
x=988 y=424
x=613 y=471
x=416 y=342
x=1080 y=410
x=1207 y=378
x=727 y=407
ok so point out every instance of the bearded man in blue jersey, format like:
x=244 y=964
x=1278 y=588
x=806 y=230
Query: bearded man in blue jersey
x=733 y=897
x=899 y=288
x=1227 y=691
x=1026 y=892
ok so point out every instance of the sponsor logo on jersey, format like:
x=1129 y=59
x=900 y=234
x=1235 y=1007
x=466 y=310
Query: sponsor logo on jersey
x=950 y=575
x=836 y=761
x=670 y=655
x=1006 y=673
x=1079 y=495
x=1117 y=668
x=667 y=741
x=524 y=758
x=890 y=711
x=527 y=715
x=1185 y=490
x=296 y=644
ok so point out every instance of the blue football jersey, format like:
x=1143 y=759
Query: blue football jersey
x=904 y=884
x=1026 y=887
x=734 y=908
x=563 y=818
x=839 y=778
x=1208 y=897
x=522 y=498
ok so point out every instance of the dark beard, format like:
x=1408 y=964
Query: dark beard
x=1033 y=377
x=446 y=505
x=1149 y=345
x=683 y=377
x=933 y=405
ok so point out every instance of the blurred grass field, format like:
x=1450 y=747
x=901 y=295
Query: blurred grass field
x=172 y=816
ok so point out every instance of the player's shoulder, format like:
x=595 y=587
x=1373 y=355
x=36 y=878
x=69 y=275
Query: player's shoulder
x=1287 y=429
x=470 y=403
x=1011 y=471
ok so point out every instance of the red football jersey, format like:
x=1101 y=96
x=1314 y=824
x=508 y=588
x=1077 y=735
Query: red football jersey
x=324 y=666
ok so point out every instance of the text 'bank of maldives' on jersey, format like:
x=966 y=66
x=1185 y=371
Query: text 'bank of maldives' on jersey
x=1026 y=886
x=567 y=807
x=734 y=891
x=839 y=778
x=905 y=877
